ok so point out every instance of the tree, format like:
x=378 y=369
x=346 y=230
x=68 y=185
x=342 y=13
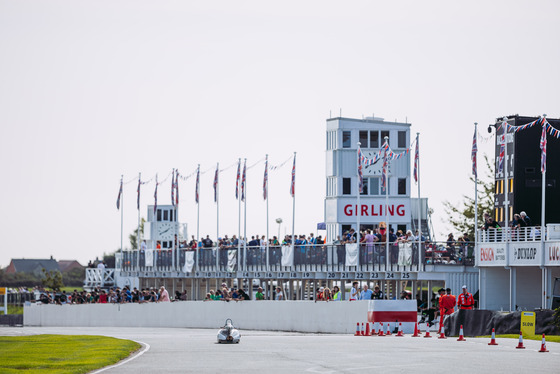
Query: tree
x=52 y=279
x=134 y=236
x=461 y=217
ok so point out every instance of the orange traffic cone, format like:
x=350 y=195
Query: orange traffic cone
x=416 y=333
x=493 y=340
x=357 y=329
x=461 y=337
x=442 y=333
x=381 y=333
x=400 y=333
x=543 y=345
x=520 y=344
x=367 y=329
x=388 y=329
x=427 y=335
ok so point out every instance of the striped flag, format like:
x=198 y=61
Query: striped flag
x=155 y=198
x=173 y=188
x=243 y=179
x=360 y=173
x=293 y=185
x=216 y=184
x=196 y=190
x=543 y=150
x=237 y=180
x=416 y=156
x=120 y=194
x=473 y=155
x=384 y=173
x=502 y=153
x=138 y=194
x=265 y=181
x=176 y=187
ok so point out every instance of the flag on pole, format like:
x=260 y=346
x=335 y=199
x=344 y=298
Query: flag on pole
x=197 y=184
x=138 y=195
x=473 y=155
x=543 y=150
x=502 y=153
x=416 y=156
x=120 y=194
x=237 y=180
x=265 y=181
x=384 y=172
x=155 y=198
x=243 y=179
x=173 y=187
x=216 y=184
x=293 y=185
x=177 y=187
x=360 y=173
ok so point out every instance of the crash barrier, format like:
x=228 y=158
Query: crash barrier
x=393 y=312
x=300 y=316
x=11 y=320
x=481 y=322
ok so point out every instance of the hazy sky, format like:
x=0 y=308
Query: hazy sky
x=90 y=90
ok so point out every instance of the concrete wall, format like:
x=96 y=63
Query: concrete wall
x=302 y=316
x=529 y=285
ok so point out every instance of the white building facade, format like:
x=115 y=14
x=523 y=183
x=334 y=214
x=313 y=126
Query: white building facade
x=341 y=209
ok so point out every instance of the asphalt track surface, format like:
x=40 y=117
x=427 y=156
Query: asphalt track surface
x=168 y=350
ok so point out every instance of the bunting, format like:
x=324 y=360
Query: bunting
x=176 y=187
x=416 y=164
x=155 y=197
x=237 y=180
x=120 y=194
x=360 y=172
x=173 y=188
x=243 y=179
x=384 y=173
x=473 y=155
x=502 y=156
x=293 y=184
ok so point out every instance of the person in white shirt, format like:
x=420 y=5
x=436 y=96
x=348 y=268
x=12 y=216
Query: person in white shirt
x=101 y=265
x=354 y=292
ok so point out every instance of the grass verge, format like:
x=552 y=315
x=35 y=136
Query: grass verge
x=61 y=353
x=549 y=338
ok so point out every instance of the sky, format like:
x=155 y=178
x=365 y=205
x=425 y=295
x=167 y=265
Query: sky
x=93 y=90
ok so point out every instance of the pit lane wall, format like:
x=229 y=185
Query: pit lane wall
x=302 y=316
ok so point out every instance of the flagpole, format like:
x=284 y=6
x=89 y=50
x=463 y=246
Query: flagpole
x=419 y=203
x=506 y=205
x=293 y=241
x=138 y=230
x=475 y=195
x=197 y=187
x=238 y=216
x=217 y=214
x=174 y=242
x=245 y=214
x=267 y=233
x=122 y=220
x=386 y=171
x=358 y=206
x=543 y=205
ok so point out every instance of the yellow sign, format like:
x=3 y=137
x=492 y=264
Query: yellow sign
x=528 y=323
x=2 y=290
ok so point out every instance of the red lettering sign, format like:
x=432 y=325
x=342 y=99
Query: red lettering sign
x=486 y=254
x=554 y=254
x=373 y=210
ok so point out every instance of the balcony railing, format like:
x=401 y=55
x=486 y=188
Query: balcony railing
x=510 y=234
x=304 y=258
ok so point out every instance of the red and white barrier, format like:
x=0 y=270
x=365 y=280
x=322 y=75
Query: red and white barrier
x=393 y=312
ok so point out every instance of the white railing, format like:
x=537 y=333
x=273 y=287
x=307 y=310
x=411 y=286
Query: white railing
x=99 y=278
x=503 y=234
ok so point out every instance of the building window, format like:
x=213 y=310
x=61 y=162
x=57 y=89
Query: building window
x=346 y=139
x=365 y=187
x=346 y=186
x=373 y=186
x=166 y=215
x=402 y=139
x=402 y=228
x=158 y=215
x=364 y=139
x=383 y=135
x=402 y=186
x=374 y=139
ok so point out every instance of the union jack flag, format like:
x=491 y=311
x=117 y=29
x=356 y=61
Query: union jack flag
x=138 y=195
x=173 y=188
x=237 y=180
x=265 y=181
x=360 y=173
x=155 y=198
x=473 y=155
x=196 y=190
x=293 y=184
x=543 y=150
x=216 y=184
x=384 y=173
x=416 y=162
x=243 y=178
x=119 y=197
